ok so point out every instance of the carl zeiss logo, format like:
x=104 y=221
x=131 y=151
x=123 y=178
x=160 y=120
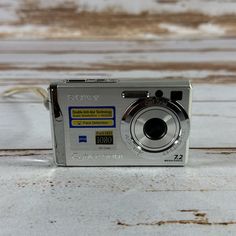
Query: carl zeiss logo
x=82 y=139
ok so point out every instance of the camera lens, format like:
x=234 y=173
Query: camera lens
x=155 y=128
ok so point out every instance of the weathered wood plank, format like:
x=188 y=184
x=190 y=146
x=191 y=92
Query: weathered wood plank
x=214 y=92
x=213 y=125
x=197 y=199
x=44 y=75
x=199 y=61
x=84 y=59
x=194 y=177
x=117 y=19
x=116 y=46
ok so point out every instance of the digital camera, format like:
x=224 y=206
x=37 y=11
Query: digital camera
x=105 y=122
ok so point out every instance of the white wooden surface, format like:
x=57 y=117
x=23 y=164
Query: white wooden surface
x=193 y=39
x=39 y=199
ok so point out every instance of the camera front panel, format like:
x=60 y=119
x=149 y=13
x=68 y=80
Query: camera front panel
x=123 y=126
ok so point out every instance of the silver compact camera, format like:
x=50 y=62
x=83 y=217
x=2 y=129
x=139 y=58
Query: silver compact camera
x=105 y=122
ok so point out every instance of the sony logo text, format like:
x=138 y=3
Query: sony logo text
x=83 y=97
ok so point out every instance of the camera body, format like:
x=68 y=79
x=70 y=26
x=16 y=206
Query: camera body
x=104 y=122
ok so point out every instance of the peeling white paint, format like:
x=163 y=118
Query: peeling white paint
x=37 y=32
x=211 y=29
x=23 y=30
x=40 y=32
x=206 y=29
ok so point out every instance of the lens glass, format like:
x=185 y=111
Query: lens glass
x=155 y=128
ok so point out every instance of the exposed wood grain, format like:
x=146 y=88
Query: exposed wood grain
x=117 y=19
x=198 y=61
x=196 y=200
